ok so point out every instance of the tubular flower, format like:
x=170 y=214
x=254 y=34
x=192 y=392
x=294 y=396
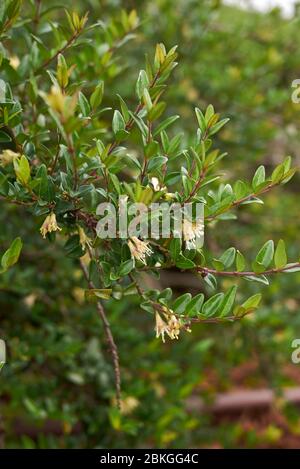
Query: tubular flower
x=83 y=238
x=49 y=225
x=156 y=184
x=192 y=231
x=161 y=327
x=139 y=249
x=173 y=327
x=169 y=325
x=14 y=62
x=8 y=156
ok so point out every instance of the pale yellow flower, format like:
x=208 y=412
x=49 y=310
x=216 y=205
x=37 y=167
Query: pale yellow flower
x=83 y=238
x=156 y=184
x=61 y=103
x=169 y=196
x=192 y=231
x=161 y=327
x=173 y=327
x=49 y=225
x=14 y=61
x=139 y=249
x=169 y=325
x=8 y=156
x=128 y=405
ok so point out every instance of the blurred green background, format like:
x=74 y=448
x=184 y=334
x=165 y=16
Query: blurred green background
x=57 y=389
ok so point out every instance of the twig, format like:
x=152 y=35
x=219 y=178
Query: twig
x=51 y=171
x=238 y=202
x=59 y=51
x=235 y=273
x=112 y=345
x=130 y=122
x=196 y=186
x=71 y=150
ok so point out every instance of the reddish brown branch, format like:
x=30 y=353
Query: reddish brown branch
x=112 y=345
x=235 y=273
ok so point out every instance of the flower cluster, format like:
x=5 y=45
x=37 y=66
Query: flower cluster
x=167 y=323
x=139 y=249
x=49 y=225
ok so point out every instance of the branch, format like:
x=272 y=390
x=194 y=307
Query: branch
x=235 y=273
x=189 y=320
x=109 y=336
x=138 y=109
x=71 y=150
x=70 y=41
x=196 y=186
x=238 y=202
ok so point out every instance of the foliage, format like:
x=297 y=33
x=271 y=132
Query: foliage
x=67 y=145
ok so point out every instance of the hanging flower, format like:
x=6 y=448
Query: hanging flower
x=192 y=231
x=161 y=327
x=156 y=184
x=139 y=249
x=49 y=225
x=14 y=62
x=173 y=327
x=8 y=156
x=60 y=102
x=170 y=325
x=83 y=238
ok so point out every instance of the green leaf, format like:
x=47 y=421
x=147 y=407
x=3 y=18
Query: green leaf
x=156 y=111
x=62 y=71
x=11 y=256
x=209 y=113
x=280 y=257
x=228 y=301
x=218 y=126
x=84 y=105
x=175 y=248
x=195 y=305
x=126 y=267
x=211 y=281
x=141 y=84
x=257 y=278
x=211 y=307
x=156 y=163
x=277 y=174
x=184 y=263
x=97 y=96
x=252 y=302
x=124 y=108
x=73 y=247
x=200 y=119
x=118 y=122
x=218 y=265
x=240 y=261
x=164 y=124
x=266 y=253
x=4 y=137
x=259 y=177
x=240 y=189
x=22 y=169
x=98 y=293
x=228 y=257
x=292 y=269
x=181 y=303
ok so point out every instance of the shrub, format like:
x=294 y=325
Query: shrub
x=61 y=158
